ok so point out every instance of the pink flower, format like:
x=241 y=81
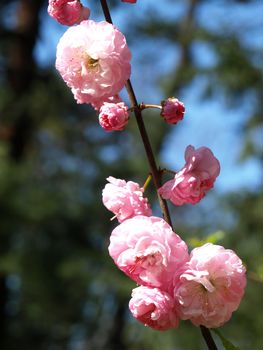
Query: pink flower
x=192 y=182
x=113 y=116
x=68 y=12
x=154 y=308
x=125 y=199
x=211 y=286
x=130 y=1
x=148 y=251
x=172 y=110
x=94 y=60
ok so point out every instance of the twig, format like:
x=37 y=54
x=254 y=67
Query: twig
x=156 y=174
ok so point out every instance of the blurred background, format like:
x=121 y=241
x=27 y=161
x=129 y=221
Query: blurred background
x=58 y=287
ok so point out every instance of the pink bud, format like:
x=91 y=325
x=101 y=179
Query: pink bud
x=68 y=12
x=130 y=1
x=113 y=116
x=172 y=110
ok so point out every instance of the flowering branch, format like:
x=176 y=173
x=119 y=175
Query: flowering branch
x=156 y=174
x=204 y=287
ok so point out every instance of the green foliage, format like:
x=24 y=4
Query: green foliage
x=214 y=238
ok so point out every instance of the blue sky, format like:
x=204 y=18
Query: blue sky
x=208 y=123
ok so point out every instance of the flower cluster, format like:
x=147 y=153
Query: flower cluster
x=204 y=287
x=94 y=61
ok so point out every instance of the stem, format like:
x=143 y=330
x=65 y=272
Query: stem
x=144 y=106
x=156 y=174
x=164 y=170
x=208 y=338
x=148 y=180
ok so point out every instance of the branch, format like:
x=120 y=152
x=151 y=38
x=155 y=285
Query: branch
x=156 y=174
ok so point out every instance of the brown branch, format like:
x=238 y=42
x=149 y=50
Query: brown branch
x=156 y=174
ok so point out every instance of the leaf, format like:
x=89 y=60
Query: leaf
x=227 y=344
x=214 y=238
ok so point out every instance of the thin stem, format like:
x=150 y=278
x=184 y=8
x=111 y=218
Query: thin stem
x=156 y=174
x=106 y=11
x=144 y=106
x=148 y=180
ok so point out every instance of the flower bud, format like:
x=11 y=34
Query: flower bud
x=172 y=110
x=113 y=116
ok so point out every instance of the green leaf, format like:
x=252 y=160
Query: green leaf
x=214 y=238
x=227 y=344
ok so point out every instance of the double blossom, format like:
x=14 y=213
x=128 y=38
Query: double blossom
x=94 y=60
x=192 y=182
x=148 y=251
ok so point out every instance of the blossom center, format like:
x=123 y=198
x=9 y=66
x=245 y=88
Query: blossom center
x=88 y=63
x=92 y=62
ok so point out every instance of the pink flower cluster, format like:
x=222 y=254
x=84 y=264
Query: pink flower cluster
x=197 y=176
x=205 y=287
x=94 y=61
x=150 y=253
